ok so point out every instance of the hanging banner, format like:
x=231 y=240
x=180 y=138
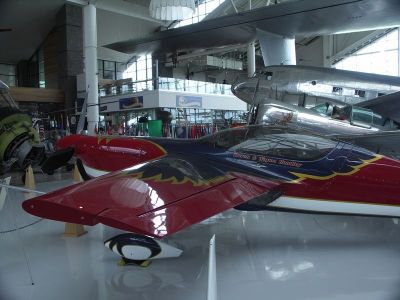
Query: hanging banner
x=189 y=101
x=131 y=102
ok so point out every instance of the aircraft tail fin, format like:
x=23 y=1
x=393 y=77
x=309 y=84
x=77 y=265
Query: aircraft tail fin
x=276 y=49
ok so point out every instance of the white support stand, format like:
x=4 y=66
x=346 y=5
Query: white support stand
x=212 y=272
x=251 y=59
x=3 y=191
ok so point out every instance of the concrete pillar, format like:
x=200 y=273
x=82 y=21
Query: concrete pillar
x=90 y=53
x=155 y=73
x=251 y=59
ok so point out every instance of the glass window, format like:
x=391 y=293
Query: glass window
x=5 y=99
x=202 y=10
x=381 y=57
x=109 y=65
x=108 y=74
x=361 y=115
x=141 y=64
x=8 y=74
x=272 y=141
x=6 y=69
x=141 y=75
x=323 y=109
x=288 y=146
x=380 y=121
x=130 y=71
x=121 y=67
x=9 y=80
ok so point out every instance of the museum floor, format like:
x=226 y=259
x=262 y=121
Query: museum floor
x=260 y=255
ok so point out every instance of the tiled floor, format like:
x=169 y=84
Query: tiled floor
x=260 y=255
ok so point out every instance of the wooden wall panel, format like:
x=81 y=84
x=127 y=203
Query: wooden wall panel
x=24 y=94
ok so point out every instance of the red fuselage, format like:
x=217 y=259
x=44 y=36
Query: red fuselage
x=373 y=180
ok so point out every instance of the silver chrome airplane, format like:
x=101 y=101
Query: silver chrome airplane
x=309 y=86
x=330 y=92
x=322 y=100
x=352 y=123
x=325 y=118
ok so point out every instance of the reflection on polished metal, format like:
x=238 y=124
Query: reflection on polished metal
x=286 y=114
x=258 y=253
x=309 y=86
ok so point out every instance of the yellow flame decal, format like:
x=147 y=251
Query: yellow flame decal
x=364 y=163
x=105 y=137
x=174 y=180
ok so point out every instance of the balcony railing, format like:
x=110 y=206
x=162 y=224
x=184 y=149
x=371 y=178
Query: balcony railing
x=126 y=86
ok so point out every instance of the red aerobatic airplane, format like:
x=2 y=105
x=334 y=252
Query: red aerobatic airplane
x=154 y=187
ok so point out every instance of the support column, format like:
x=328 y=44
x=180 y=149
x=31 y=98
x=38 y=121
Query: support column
x=91 y=79
x=251 y=59
x=398 y=51
x=155 y=73
x=327 y=45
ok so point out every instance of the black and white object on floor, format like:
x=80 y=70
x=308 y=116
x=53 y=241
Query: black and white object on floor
x=136 y=248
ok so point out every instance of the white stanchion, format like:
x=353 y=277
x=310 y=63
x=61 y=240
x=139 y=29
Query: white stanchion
x=212 y=272
x=3 y=191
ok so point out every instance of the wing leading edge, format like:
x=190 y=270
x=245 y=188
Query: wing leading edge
x=157 y=199
x=301 y=18
x=387 y=106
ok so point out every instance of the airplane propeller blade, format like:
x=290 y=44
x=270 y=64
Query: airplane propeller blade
x=57 y=160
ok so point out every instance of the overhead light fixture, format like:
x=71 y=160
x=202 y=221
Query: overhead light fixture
x=170 y=10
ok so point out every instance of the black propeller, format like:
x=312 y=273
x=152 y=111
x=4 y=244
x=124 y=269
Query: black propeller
x=57 y=159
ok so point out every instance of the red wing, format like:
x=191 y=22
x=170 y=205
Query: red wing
x=158 y=199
